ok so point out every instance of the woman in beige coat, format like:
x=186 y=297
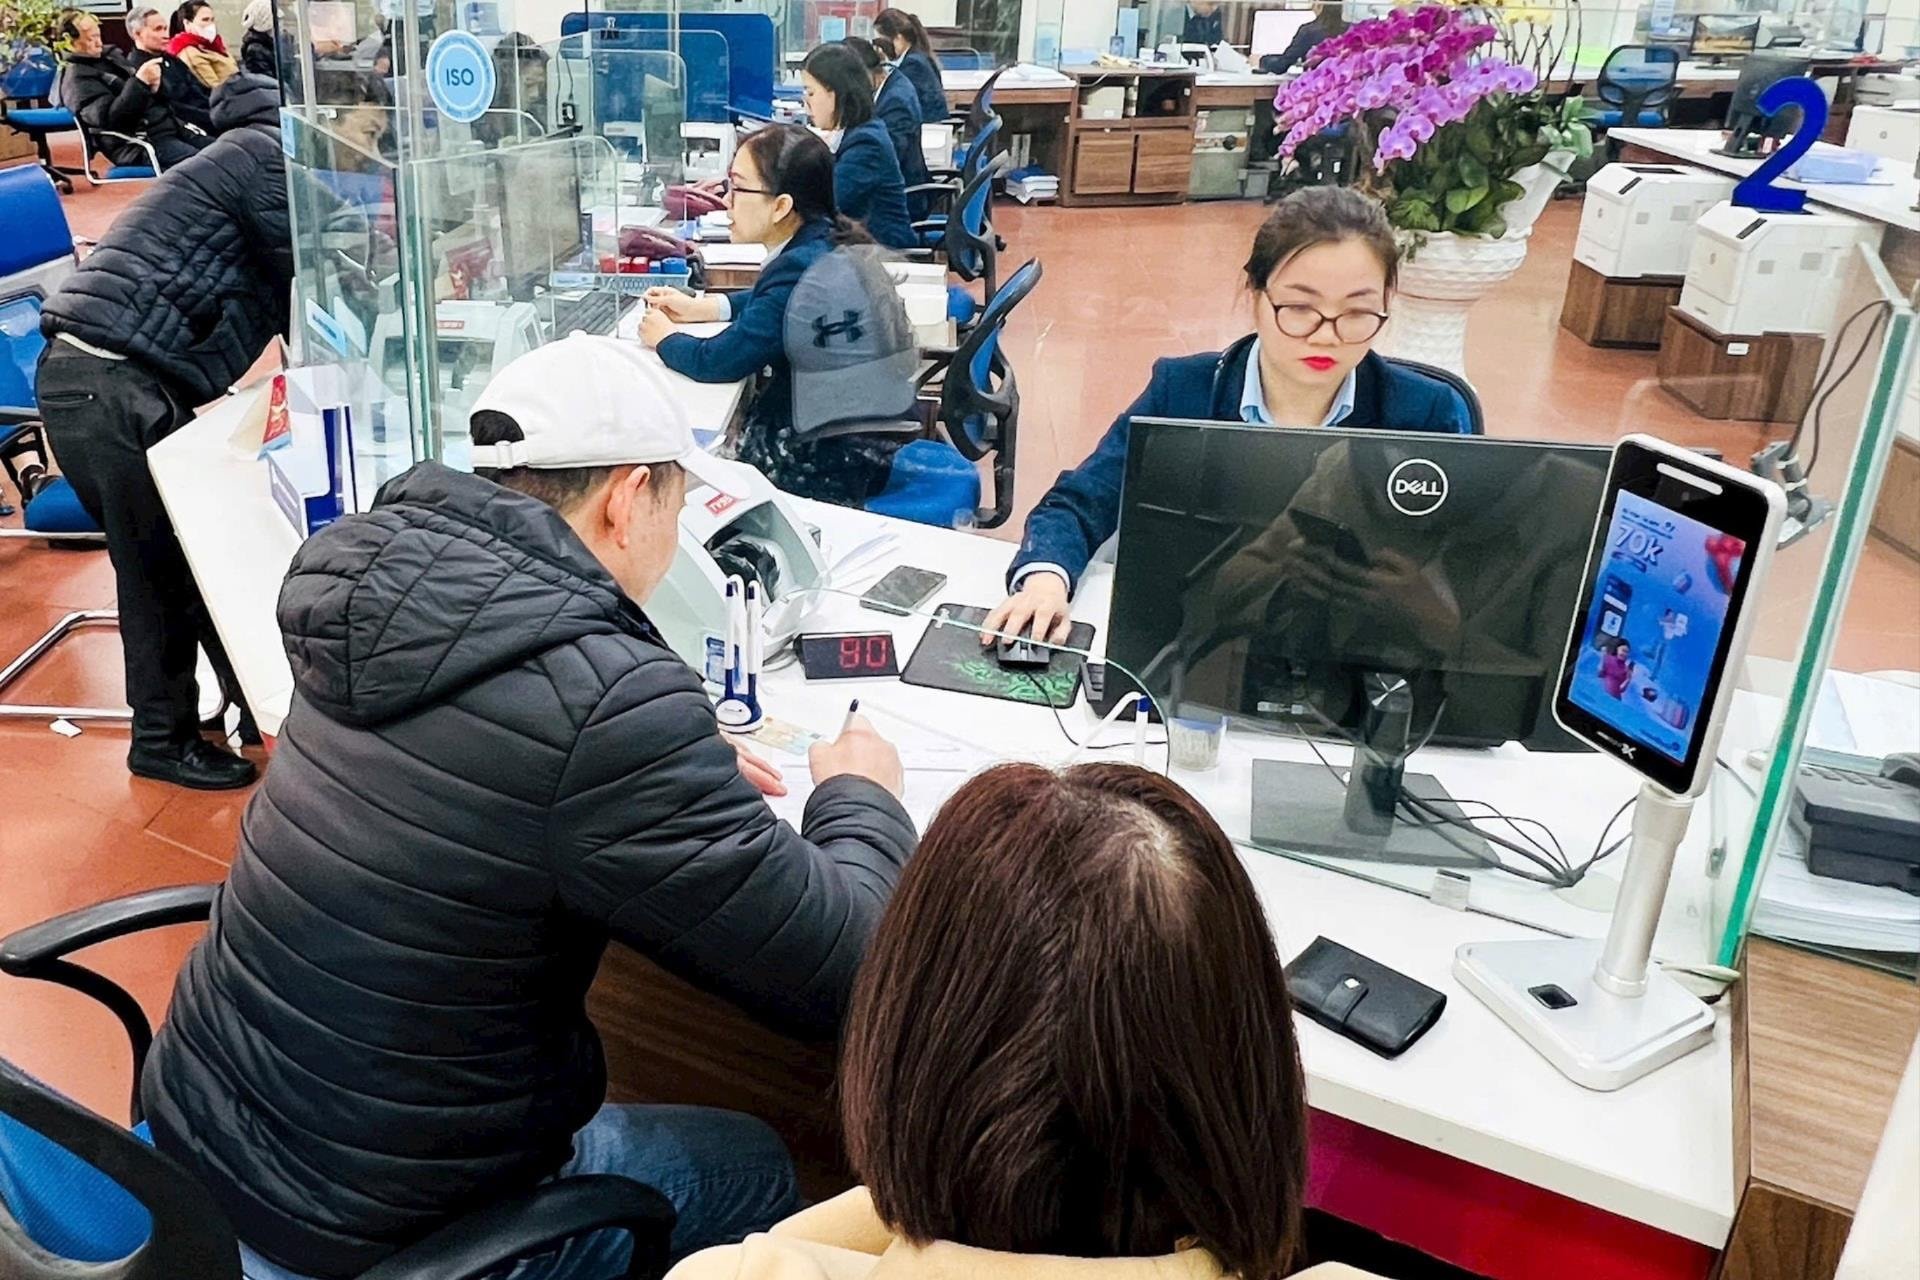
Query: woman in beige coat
x=1070 y=1056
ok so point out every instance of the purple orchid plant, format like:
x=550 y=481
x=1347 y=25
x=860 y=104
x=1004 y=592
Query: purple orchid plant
x=1447 y=121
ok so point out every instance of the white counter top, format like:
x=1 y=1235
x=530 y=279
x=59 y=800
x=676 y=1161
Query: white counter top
x=1888 y=203
x=1659 y=1152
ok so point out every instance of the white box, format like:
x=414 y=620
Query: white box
x=1885 y=131
x=1106 y=103
x=1752 y=272
x=1638 y=219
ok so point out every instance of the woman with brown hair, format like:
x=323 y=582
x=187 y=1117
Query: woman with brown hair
x=1070 y=1053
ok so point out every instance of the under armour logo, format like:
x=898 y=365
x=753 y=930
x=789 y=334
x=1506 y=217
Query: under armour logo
x=824 y=329
x=1627 y=749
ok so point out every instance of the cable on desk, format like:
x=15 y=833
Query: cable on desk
x=1162 y=741
x=1823 y=389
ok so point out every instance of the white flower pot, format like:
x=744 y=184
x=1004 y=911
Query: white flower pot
x=1439 y=281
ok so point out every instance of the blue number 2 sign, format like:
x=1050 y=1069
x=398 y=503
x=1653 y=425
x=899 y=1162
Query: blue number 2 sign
x=1756 y=190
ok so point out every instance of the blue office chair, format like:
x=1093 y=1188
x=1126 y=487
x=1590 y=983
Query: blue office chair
x=27 y=105
x=1636 y=86
x=949 y=185
x=968 y=242
x=76 y=1188
x=974 y=118
x=936 y=482
x=36 y=254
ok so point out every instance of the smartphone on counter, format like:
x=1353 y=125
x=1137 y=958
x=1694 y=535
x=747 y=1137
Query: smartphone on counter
x=903 y=590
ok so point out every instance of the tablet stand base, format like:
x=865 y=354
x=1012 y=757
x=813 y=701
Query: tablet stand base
x=1599 y=1040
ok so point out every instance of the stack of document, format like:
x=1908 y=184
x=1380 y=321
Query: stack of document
x=1857 y=721
x=1032 y=183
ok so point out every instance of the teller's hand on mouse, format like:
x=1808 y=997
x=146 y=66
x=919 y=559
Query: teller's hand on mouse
x=1040 y=608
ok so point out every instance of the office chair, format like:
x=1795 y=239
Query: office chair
x=1325 y=160
x=1476 y=417
x=58 y=1159
x=1636 y=86
x=935 y=481
x=960 y=57
x=947 y=184
x=27 y=105
x=90 y=147
x=967 y=241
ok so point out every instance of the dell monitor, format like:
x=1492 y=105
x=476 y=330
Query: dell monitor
x=1387 y=589
x=1719 y=36
x=1747 y=125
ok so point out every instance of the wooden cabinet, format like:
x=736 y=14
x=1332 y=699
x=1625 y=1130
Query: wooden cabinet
x=1142 y=157
x=1102 y=162
x=1163 y=161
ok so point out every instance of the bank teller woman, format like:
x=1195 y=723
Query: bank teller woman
x=906 y=37
x=780 y=193
x=897 y=108
x=1069 y=1055
x=1321 y=277
x=867 y=183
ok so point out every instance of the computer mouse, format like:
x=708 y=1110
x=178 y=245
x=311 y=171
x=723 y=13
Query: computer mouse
x=1022 y=654
x=1903 y=768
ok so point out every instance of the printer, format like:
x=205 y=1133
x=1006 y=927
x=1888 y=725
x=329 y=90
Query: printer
x=1638 y=219
x=758 y=538
x=1752 y=272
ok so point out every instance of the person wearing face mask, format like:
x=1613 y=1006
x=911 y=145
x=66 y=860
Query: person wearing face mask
x=781 y=194
x=1321 y=276
x=906 y=43
x=867 y=183
x=482 y=783
x=108 y=93
x=197 y=43
x=897 y=108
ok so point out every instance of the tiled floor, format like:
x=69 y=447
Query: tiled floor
x=1121 y=288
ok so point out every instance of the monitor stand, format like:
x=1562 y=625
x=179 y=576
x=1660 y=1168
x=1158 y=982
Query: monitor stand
x=1305 y=808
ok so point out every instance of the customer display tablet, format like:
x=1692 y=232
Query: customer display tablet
x=1680 y=543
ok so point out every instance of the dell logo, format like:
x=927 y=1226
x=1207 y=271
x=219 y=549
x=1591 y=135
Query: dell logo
x=1416 y=487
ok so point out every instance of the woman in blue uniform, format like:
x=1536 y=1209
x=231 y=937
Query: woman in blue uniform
x=903 y=33
x=1321 y=279
x=897 y=108
x=867 y=185
x=781 y=195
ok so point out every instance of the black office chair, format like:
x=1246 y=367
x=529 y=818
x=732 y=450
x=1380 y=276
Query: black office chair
x=966 y=238
x=1636 y=86
x=1476 y=418
x=189 y=1235
x=979 y=401
x=946 y=186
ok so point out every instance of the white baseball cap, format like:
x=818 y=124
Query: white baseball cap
x=594 y=401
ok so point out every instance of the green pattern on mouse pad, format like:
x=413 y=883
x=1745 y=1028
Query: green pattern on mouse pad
x=952 y=658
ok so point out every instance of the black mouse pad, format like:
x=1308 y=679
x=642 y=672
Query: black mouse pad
x=952 y=658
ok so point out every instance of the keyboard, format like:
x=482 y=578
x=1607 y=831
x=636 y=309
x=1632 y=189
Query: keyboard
x=595 y=312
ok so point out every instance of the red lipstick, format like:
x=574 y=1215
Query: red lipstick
x=1319 y=364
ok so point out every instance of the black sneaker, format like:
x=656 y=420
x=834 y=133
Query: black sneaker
x=196 y=763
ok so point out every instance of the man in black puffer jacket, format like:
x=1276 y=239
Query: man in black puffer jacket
x=109 y=93
x=493 y=765
x=177 y=301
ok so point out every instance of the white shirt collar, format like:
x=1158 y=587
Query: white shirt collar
x=1253 y=401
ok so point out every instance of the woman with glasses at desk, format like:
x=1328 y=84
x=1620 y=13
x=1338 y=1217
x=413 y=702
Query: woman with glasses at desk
x=780 y=194
x=1321 y=276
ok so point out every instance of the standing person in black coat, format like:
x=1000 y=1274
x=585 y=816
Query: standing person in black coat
x=107 y=92
x=494 y=766
x=177 y=301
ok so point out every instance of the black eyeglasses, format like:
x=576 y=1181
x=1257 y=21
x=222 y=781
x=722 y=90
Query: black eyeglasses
x=1297 y=320
x=735 y=189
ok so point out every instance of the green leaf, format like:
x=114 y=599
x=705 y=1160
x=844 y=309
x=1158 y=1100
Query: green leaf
x=1472 y=172
x=1461 y=199
x=1503 y=191
x=1483 y=220
x=1533 y=153
x=1414 y=214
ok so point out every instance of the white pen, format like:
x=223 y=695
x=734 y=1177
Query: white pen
x=1140 y=707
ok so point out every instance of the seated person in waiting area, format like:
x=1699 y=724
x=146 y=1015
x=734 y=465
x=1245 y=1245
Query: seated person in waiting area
x=1070 y=1055
x=1321 y=275
x=493 y=767
x=867 y=182
x=107 y=93
x=781 y=194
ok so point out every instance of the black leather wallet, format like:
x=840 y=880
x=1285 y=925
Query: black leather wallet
x=1363 y=1000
